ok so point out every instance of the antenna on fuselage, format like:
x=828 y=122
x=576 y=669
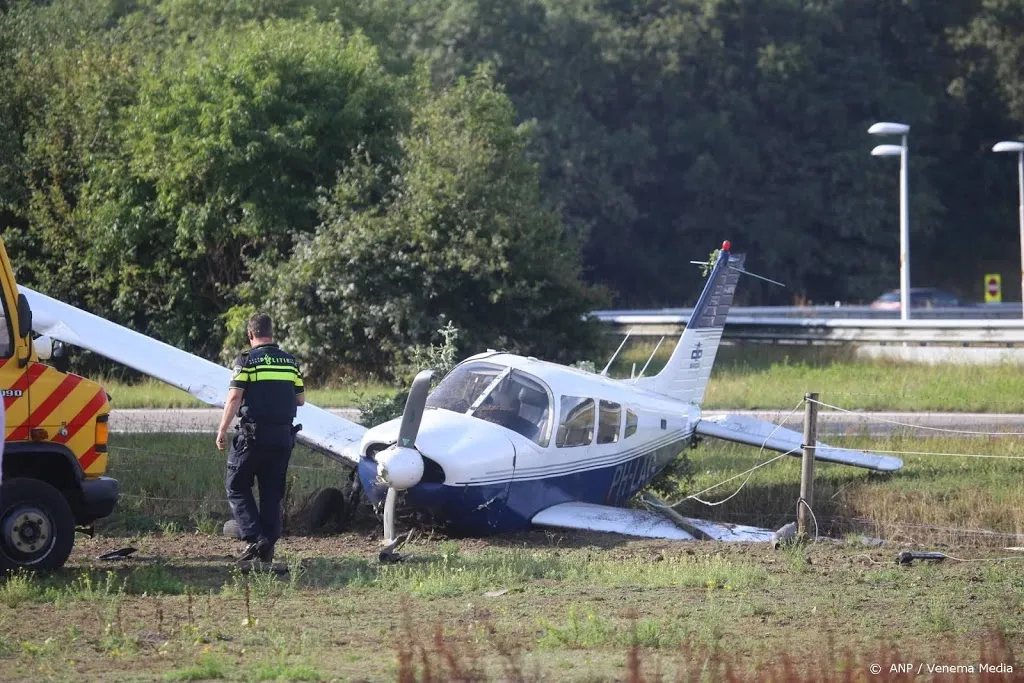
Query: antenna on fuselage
x=658 y=346
x=616 y=354
x=759 y=277
x=632 y=371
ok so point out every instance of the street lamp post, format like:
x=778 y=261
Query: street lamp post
x=1017 y=147
x=886 y=128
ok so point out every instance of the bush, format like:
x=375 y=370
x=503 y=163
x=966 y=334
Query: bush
x=375 y=410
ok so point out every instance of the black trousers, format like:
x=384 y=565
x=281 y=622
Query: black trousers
x=268 y=466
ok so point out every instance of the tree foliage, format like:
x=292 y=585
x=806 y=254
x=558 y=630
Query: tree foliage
x=458 y=233
x=371 y=169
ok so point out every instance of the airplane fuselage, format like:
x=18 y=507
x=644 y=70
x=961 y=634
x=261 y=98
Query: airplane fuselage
x=504 y=437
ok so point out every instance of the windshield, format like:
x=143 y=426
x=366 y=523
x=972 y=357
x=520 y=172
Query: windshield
x=463 y=386
x=498 y=395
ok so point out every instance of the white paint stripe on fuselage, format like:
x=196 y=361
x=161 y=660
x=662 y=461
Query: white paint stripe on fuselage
x=566 y=469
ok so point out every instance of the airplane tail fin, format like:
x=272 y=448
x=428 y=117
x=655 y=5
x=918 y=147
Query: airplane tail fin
x=685 y=376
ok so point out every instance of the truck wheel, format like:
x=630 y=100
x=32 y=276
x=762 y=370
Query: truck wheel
x=37 y=529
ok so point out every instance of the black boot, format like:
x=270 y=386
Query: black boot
x=266 y=553
x=256 y=549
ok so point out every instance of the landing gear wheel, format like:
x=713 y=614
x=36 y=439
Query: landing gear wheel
x=355 y=490
x=37 y=528
x=230 y=529
x=327 y=511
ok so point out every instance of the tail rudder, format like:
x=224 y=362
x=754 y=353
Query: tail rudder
x=686 y=374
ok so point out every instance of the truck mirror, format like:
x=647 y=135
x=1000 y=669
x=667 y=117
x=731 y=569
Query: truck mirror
x=24 y=317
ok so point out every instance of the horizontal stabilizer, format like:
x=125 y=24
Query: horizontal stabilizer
x=755 y=432
x=632 y=522
x=332 y=435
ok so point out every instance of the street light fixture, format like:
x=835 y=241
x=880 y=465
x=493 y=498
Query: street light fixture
x=1017 y=147
x=887 y=128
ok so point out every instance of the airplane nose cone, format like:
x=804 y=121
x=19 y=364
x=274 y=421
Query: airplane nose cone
x=400 y=468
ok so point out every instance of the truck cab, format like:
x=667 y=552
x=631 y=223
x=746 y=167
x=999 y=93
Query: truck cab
x=54 y=454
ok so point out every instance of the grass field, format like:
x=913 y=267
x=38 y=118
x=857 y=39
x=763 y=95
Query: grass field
x=755 y=376
x=750 y=376
x=174 y=482
x=545 y=607
x=541 y=605
x=554 y=605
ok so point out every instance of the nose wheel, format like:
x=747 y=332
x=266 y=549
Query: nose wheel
x=37 y=528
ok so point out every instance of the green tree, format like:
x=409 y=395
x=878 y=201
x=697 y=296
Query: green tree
x=225 y=150
x=65 y=80
x=459 y=234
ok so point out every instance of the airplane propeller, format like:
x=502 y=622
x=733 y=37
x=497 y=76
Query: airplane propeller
x=401 y=466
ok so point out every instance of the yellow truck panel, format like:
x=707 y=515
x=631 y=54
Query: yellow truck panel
x=55 y=446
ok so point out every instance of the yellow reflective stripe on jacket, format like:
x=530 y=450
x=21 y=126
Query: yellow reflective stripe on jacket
x=241 y=377
x=276 y=375
x=273 y=366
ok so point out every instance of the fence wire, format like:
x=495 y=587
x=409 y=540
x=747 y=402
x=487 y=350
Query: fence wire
x=169 y=466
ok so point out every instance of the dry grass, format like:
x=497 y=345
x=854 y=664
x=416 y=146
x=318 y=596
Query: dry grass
x=441 y=660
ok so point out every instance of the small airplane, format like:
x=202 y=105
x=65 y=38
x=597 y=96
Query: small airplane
x=506 y=442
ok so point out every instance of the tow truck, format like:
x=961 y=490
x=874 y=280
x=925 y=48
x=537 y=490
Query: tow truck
x=54 y=455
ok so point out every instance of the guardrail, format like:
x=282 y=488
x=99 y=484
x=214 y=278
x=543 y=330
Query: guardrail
x=1007 y=311
x=740 y=325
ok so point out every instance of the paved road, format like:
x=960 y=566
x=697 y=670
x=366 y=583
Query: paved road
x=204 y=420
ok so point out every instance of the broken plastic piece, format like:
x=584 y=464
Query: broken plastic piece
x=907 y=557
x=117 y=554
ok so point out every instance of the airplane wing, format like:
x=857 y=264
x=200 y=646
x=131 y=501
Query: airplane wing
x=755 y=432
x=631 y=522
x=334 y=436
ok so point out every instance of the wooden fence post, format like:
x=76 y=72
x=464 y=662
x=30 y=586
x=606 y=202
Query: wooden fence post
x=807 y=471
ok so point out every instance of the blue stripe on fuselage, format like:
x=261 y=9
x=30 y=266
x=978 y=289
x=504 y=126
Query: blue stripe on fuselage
x=509 y=505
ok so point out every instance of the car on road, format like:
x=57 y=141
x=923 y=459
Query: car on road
x=920 y=297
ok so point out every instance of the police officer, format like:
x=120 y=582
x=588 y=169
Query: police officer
x=265 y=390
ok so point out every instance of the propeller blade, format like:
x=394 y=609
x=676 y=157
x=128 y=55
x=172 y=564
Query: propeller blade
x=389 y=516
x=413 y=413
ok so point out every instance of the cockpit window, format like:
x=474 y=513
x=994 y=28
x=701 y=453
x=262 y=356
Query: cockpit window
x=608 y=419
x=631 y=423
x=520 y=403
x=463 y=386
x=577 y=428
x=517 y=401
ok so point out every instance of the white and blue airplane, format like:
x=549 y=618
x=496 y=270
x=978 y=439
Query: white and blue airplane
x=506 y=442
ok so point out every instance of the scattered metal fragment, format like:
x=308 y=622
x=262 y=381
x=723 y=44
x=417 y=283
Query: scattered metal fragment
x=119 y=554
x=907 y=557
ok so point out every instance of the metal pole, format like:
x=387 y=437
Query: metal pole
x=904 y=237
x=1020 y=209
x=807 y=470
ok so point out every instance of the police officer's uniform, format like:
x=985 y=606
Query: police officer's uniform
x=270 y=381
